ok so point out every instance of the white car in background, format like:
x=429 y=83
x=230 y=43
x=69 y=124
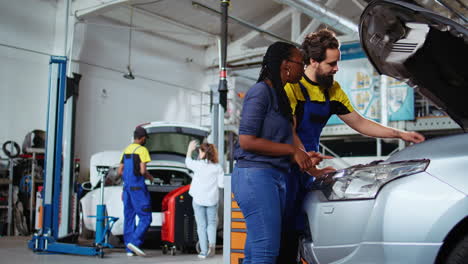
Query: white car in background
x=167 y=144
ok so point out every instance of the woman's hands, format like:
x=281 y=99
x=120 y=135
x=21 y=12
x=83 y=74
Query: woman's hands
x=191 y=147
x=308 y=160
x=302 y=159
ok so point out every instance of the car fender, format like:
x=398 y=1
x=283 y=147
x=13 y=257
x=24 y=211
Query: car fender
x=452 y=217
x=408 y=210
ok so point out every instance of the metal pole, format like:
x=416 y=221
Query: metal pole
x=383 y=109
x=244 y=23
x=231 y=151
x=68 y=156
x=222 y=89
x=10 y=195
x=32 y=193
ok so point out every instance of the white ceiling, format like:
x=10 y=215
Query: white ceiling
x=192 y=23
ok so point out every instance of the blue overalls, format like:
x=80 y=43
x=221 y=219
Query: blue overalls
x=136 y=199
x=309 y=128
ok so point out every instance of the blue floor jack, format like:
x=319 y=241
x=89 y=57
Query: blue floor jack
x=46 y=243
x=58 y=192
x=104 y=223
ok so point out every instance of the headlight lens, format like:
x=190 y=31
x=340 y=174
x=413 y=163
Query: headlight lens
x=365 y=181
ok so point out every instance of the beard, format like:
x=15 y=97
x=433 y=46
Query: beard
x=325 y=81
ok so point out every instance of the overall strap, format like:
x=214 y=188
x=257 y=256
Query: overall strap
x=327 y=95
x=304 y=92
x=136 y=149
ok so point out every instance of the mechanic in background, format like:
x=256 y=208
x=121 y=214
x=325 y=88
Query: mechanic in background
x=136 y=198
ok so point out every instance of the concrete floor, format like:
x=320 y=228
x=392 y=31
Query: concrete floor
x=15 y=250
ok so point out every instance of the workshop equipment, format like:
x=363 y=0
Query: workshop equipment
x=59 y=184
x=178 y=230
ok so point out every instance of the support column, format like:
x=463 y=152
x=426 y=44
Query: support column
x=383 y=109
x=222 y=89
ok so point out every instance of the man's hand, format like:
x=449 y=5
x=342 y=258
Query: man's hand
x=318 y=173
x=316 y=157
x=149 y=177
x=411 y=136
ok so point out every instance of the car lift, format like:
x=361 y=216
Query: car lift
x=58 y=184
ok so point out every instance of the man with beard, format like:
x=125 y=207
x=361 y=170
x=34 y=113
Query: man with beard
x=136 y=198
x=313 y=101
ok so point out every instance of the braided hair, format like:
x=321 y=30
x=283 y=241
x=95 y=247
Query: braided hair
x=211 y=153
x=271 y=70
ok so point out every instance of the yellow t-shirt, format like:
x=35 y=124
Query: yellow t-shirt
x=339 y=101
x=140 y=150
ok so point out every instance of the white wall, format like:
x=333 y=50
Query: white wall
x=24 y=75
x=169 y=76
x=165 y=87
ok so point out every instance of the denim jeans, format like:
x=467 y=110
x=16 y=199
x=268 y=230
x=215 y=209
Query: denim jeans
x=205 y=216
x=294 y=216
x=260 y=193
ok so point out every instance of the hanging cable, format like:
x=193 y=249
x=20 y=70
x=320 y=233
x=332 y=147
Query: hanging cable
x=129 y=74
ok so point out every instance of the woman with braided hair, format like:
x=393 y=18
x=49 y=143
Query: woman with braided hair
x=265 y=151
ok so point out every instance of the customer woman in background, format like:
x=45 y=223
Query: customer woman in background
x=207 y=178
x=265 y=152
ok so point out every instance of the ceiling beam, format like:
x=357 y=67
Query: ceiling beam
x=295 y=24
x=283 y=14
x=156 y=26
x=324 y=14
x=359 y=5
x=315 y=23
x=89 y=8
x=243 y=23
x=176 y=23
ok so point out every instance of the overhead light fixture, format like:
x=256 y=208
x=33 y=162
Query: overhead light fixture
x=129 y=75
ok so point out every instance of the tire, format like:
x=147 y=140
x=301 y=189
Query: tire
x=197 y=247
x=459 y=255
x=85 y=233
x=6 y=149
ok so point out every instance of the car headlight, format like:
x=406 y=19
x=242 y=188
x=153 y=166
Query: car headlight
x=365 y=181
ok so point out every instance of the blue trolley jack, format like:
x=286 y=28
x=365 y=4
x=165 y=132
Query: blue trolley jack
x=47 y=243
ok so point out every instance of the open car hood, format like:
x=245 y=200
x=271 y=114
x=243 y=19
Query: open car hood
x=169 y=141
x=422 y=48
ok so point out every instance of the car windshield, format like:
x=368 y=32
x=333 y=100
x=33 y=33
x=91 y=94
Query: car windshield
x=174 y=143
x=170 y=177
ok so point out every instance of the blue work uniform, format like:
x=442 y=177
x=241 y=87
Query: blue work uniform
x=136 y=198
x=312 y=106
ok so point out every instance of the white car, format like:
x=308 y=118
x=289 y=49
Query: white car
x=413 y=207
x=167 y=144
